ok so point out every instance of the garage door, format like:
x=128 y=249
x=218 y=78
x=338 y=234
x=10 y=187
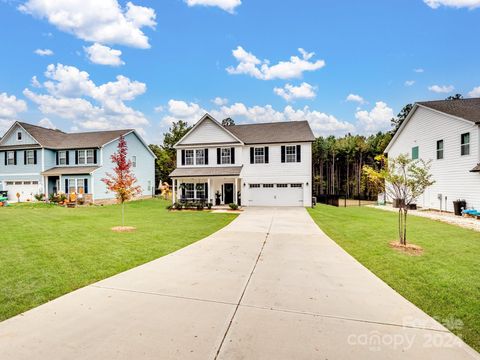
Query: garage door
x=276 y=194
x=26 y=189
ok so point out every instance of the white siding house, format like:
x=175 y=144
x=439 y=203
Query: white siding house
x=447 y=133
x=252 y=165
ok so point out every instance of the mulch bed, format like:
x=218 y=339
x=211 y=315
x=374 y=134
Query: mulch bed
x=123 y=228
x=409 y=249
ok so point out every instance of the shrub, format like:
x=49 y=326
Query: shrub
x=178 y=206
x=200 y=206
x=233 y=206
x=170 y=207
x=209 y=206
x=39 y=197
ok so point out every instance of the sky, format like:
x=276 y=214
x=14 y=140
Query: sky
x=345 y=66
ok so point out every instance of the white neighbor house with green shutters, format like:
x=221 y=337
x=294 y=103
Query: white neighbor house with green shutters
x=36 y=160
x=267 y=164
x=447 y=133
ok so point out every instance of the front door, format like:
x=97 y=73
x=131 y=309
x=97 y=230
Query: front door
x=228 y=193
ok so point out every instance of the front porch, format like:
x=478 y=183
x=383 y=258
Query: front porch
x=217 y=191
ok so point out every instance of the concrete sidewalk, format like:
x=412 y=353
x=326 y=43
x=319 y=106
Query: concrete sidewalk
x=270 y=285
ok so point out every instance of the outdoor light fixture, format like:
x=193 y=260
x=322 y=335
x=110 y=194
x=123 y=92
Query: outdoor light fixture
x=244 y=184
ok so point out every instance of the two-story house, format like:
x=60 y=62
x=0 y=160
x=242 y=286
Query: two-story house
x=268 y=164
x=37 y=160
x=447 y=133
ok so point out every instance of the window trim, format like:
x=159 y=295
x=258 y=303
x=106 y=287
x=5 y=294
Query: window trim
x=415 y=150
x=188 y=158
x=465 y=147
x=187 y=190
x=225 y=159
x=30 y=156
x=296 y=185
x=259 y=158
x=290 y=155
x=199 y=157
x=11 y=152
x=64 y=158
x=440 y=151
x=19 y=136
x=134 y=161
x=254 y=186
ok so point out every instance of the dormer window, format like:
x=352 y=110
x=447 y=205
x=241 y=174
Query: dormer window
x=19 y=136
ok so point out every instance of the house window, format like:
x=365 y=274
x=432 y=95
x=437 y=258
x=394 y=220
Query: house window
x=291 y=154
x=190 y=190
x=254 y=186
x=30 y=157
x=296 y=185
x=134 y=161
x=226 y=156
x=259 y=155
x=188 y=157
x=9 y=182
x=282 y=185
x=268 y=185
x=90 y=157
x=19 y=136
x=200 y=156
x=71 y=186
x=10 y=157
x=439 y=149
x=149 y=185
x=200 y=191
x=81 y=186
x=27 y=183
x=34 y=182
x=62 y=158
x=81 y=156
x=465 y=144
x=415 y=153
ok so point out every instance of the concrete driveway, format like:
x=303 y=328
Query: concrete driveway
x=270 y=285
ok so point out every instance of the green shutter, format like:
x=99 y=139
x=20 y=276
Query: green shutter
x=415 y=153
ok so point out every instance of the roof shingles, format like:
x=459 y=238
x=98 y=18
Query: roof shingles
x=467 y=109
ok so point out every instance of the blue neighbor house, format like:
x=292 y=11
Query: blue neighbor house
x=37 y=160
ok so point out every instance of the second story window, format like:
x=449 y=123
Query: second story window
x=291 y=154
x=189 y=157
x=439 y=149
x=200 y=156
x=259 y=155
x=81 y=156
x=226 y=156
x=465 y=144
x=85 y=157
x=30 y=157
x=62 y=158
x=415 y=153
x=10 y=158
x=90 y=157
x=134 y=161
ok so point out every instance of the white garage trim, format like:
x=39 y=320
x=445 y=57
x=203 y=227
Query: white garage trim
x=275 y=194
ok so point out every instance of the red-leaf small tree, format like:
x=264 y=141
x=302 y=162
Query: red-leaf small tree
x=123 y=181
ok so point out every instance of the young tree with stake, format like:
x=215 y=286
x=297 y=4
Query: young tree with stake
x=123 y=181
x=403 y=179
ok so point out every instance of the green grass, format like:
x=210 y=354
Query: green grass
x=47 y=251
x=444 y=282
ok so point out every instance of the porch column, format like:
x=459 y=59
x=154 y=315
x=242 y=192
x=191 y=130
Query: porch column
x=209 y=191
x=173 y=190
x=235 y=200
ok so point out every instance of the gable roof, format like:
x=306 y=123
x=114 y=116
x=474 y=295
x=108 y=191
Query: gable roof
x=56 y=139
x=460 y=109
x=467 y=109
x=275 y=132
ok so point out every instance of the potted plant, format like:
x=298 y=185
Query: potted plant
x=217 y=198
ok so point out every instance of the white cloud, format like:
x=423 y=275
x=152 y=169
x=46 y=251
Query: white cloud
x=103 y=55
x=471 y=4
x=249 y=64
x=377 y=119
x=227 y=5
x=104 y=22
x=10 y=107
x=409 y=83
x=290 y=92
x=441 y=89
x=220 y=101
x=419 y=70
x=355 y=98
x=72 y=95
x=46 y=123
x=475 y=92
x=43 y=52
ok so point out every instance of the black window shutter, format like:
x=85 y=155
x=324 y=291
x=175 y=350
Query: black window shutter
x=218 y=156
x=266 y=154
x=283 y=153
x=252 y=155
x=76 y=157
x=56 y=158
x=232 y=155
x=206 y=191
x=299 y=153
x=206 y=156
x=15 y=157
x=183 y=192
x=35 y=157
x=66 y=186
x=86 y=186
x=183 y=157
x=67 y=157
x=25 y=157
x=5 y=153
x=94 y=156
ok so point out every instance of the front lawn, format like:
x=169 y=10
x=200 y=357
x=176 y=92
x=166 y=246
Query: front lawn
x=47 y=251
x=444 y=281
